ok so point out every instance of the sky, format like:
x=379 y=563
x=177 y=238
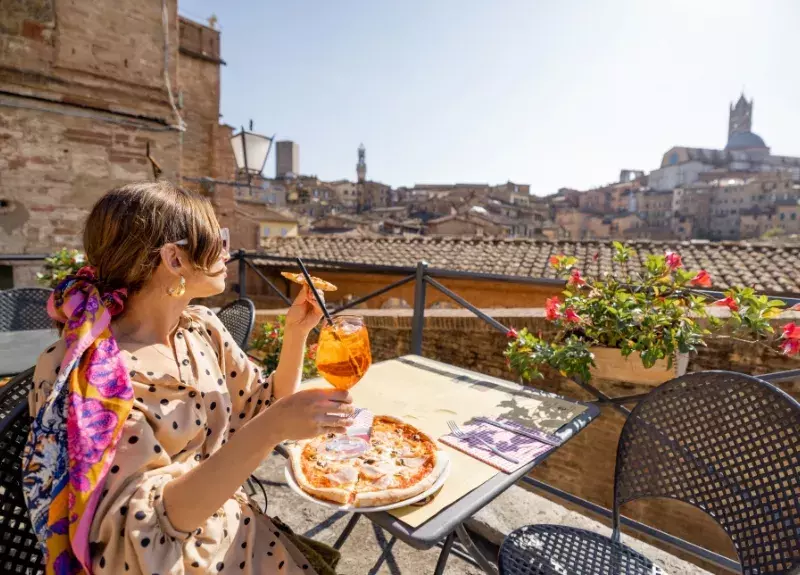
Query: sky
x=558 y=93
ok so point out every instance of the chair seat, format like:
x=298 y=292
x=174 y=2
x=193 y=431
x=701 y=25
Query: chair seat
x=561 y=550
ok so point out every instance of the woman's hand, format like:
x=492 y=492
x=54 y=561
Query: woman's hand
x=305 y=312
x=311 y=412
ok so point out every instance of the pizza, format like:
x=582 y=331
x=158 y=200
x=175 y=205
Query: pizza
x=401 y=462
x=320 y=284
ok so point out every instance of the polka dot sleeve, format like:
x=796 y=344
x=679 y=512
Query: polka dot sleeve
x=250 y=391
x=131 y=527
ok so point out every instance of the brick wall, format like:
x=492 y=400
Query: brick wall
x=199 y=85
x=97 y=53
x=53 y=167
x=83 y=93
x=585 y=466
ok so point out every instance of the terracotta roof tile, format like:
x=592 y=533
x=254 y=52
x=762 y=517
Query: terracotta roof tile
x=768 y=268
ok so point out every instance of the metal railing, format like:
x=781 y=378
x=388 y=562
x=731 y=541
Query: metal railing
x=424 y=276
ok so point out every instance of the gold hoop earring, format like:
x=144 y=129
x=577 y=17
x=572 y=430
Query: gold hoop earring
x=179 y=290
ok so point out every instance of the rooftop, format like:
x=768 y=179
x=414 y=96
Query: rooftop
x=769 y=268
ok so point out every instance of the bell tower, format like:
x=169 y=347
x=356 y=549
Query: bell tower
x=741 y=117
x=361 y=166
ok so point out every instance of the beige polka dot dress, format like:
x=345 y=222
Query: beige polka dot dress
x=175 y=424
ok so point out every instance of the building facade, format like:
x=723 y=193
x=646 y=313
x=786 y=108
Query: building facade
x=287 y=159
x=745 y=151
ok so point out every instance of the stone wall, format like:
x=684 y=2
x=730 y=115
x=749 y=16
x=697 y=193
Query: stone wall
x=54 y=166
x=82 y=93
x=199 y=85
x=585 y=466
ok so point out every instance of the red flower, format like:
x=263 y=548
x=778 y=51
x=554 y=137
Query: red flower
x=576 y=279
x=791 y=331
x=795 y=307
x=702 y=279
x=727 y=302
x=673 y=261
x=555 y=261
x=595 y=256
x=570 y=315
x=551 y=308
x=791 y=346
x=512 y=334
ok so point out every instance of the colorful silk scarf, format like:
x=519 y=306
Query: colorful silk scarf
x=74 y=435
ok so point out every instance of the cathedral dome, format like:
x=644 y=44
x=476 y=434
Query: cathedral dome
x=745 y=141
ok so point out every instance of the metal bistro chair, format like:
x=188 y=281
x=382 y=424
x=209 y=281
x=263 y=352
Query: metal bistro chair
x=24 y=309
x=724 y=442
x=238 y=318
x=19 y=548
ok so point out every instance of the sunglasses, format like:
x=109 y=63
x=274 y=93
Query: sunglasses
x=225 y=236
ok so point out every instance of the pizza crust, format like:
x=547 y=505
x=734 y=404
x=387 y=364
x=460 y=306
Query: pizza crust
x=319 y=283
x=334 y=494
x=389 y=496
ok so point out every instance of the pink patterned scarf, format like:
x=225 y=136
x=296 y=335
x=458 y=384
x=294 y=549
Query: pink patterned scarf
x=74 y=436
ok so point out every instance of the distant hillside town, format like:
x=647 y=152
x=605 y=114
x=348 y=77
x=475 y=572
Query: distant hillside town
x=739 y=192
x=75 y=122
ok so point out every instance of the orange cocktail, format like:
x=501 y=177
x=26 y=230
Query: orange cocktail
x=343 y=354
x=343 y=357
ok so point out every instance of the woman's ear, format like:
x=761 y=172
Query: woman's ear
x=171 y=257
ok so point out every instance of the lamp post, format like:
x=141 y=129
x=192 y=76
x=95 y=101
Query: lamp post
x=251 y=150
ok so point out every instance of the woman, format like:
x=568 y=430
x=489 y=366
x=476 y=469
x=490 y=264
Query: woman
x=149 y=418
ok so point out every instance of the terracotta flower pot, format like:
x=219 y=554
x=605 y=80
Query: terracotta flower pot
x=610 y=364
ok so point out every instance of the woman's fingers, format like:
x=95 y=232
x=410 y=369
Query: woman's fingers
x=331 y=420
x=310 y=296
x=337 y=395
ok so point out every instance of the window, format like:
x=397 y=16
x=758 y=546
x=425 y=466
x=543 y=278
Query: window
x=265 y=232
x=783 y=216
x=6 y=277
x=794 y=216
x=284 y=231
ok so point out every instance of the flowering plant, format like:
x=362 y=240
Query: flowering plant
x=655 y=314
x=59 y=266
x=266 y=347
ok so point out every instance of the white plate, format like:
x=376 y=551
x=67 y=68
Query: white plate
x=339 y=507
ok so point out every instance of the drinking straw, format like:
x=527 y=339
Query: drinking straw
x=314 y=290
x=325 y=311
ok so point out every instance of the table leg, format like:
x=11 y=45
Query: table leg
x=386 y=552
x=347 y=530
x=442 y=561
x=467 y=542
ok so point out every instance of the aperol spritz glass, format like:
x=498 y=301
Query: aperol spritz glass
x=343 y=357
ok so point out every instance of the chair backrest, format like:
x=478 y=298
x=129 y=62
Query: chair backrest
x=728 y=444
x=238 y=318
x=24 y=309
x=19 y=548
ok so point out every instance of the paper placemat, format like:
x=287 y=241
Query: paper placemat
x=427 y=397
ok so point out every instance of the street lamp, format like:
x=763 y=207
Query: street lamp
x=250 y=150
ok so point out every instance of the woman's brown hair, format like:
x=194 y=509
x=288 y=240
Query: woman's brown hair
x=128 y=226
